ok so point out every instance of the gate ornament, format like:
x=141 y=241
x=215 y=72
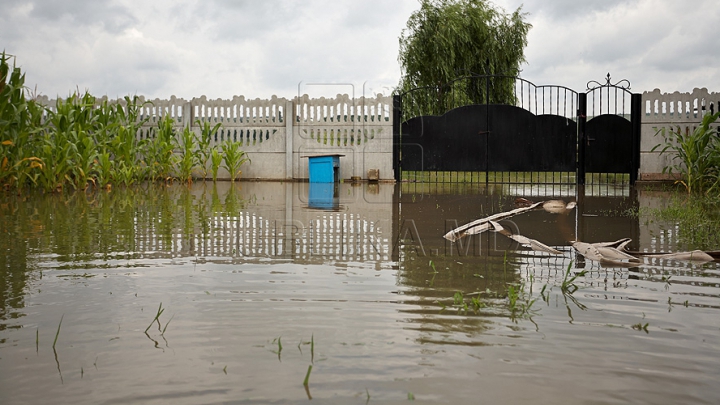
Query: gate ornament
x=623 y=84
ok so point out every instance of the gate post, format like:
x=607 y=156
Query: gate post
x=581 y=141
x=397 y=129
x=636 y=122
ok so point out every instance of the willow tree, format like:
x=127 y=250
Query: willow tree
x=449 y=39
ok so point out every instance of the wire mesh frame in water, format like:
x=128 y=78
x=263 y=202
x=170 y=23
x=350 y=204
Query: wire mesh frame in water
x=489 y=177
x=512 y=177
x=558 y=184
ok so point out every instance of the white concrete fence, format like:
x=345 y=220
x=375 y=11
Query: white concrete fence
x=358 y=128
x=665 y=112
x=361 y=130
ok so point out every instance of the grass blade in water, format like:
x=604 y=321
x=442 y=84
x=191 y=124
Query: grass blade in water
x=58 y=331
x=307 y=376
x=157 y=316
x=166 y=325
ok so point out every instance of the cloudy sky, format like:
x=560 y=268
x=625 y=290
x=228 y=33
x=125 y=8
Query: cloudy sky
x=257 y=48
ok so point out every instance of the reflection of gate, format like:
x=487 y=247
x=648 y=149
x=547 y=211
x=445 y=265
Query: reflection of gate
x=465 y=127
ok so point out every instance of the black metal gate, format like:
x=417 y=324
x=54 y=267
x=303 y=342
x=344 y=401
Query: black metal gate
x=541 y=129
x=609 y=136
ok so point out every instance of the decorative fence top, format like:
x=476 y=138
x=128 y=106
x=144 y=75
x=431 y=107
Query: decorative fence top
x=678 y=106
x=343 y=110
x=242 y=112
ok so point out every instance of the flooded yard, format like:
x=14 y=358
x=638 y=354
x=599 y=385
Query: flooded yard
x=240 y=293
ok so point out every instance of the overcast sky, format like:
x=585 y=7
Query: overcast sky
x=257 y=48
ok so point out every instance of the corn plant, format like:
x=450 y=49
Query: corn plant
x=187 y=162
x=57 y=155
x=20 y=125
x=85 y=161
x=69 y=148
x=215 y=160
x=234 y=158
x=123 y=144
x=159 y=152
x=105 y=169
x=713 y=176
x=204 y=148
x=696 y=155
x=126 y=174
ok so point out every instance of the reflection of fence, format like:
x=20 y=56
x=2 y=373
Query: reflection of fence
x=336 y=236
x=345 y=236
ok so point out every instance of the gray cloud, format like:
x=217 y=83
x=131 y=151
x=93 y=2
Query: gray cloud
x=111 y=16
x=222 y=48
x=568 y=10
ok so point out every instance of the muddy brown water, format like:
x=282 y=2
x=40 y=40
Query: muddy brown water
x=258 y=281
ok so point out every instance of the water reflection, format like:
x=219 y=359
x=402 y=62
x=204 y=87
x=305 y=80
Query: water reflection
x=388 y=300
x=383 y=225
x=323 y=196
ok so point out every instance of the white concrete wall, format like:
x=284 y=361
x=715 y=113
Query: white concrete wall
x=665 y=112
x=359 y=128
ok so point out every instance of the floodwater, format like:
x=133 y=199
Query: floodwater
x=256 y=282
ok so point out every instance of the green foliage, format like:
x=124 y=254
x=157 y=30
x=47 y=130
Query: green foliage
x=189 y=155
x=122 y=142
x=307 y=375
x=204 y=149
x=81 y=142
x=234 y=158
x=568 y=286
x=160 y=150
x=216 y=160
x=696 y=156
x=520 y=302
x=157 y=319
x=446 y=39
x=20 y=122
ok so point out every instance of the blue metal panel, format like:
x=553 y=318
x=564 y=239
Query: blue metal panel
x=324 y=169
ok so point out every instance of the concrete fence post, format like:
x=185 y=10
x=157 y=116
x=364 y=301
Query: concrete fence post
x=187 y=114
x=289 y=117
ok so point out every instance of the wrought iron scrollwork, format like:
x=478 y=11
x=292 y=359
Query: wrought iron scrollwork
x=623 y=84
